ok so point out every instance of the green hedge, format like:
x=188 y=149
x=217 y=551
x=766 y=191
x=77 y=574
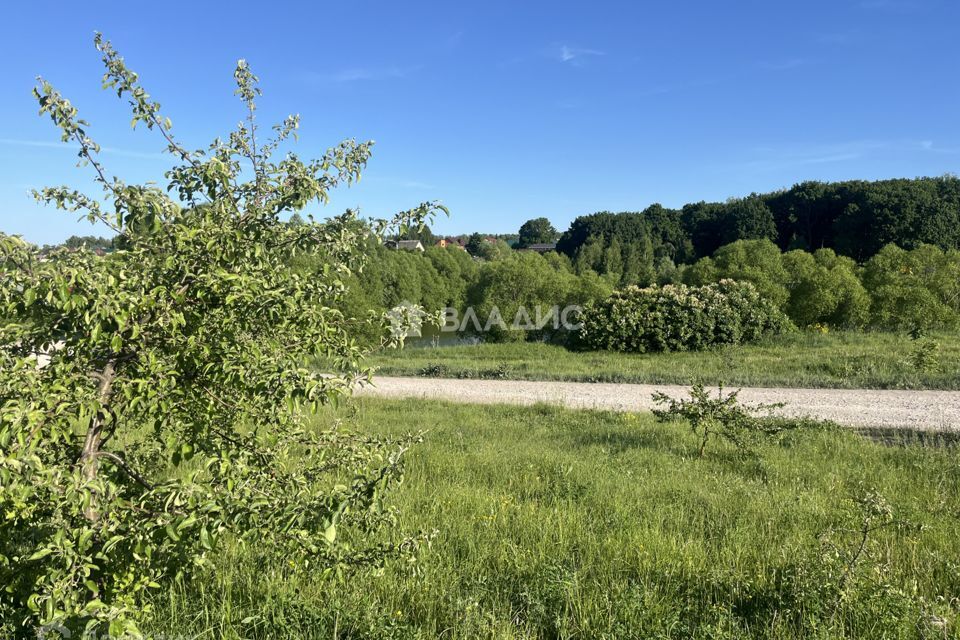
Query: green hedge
x=679 y=318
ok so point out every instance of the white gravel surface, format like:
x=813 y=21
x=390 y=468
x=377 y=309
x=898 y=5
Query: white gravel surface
x=926 y=410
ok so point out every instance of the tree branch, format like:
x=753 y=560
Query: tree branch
x=91 y=445
x=130 y=471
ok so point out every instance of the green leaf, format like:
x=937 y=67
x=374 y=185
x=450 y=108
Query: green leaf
x=39 y=555
x=187 y=523
x=205 y=539
x=330 y=533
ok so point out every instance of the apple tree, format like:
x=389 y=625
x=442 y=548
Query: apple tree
x=153 y=399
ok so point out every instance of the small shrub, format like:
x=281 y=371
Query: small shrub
x=723 y=416
x=679 y=318
x=434 y=370
x=500 y=372
x=925 y=356
x=854 y=564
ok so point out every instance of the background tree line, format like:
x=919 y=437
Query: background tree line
x=850 y=254
x=854 y=218
x=896 y=289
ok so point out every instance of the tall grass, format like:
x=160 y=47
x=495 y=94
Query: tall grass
x=840 y=360
x=555 y=523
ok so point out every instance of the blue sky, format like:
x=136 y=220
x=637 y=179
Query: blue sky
x=506 y=110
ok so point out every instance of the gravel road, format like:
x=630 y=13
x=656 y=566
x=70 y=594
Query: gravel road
x=924 y=410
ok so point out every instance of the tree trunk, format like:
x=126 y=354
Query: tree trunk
x=91 y=445
x=703 y=443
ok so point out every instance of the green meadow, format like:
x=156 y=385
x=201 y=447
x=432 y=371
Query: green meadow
x=875 y=360
x=554 y=523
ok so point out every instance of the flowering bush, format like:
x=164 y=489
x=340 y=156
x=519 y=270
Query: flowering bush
x=679 y=318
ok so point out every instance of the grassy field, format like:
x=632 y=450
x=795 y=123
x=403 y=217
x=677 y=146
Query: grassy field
x=556 y=523
x=839 y=360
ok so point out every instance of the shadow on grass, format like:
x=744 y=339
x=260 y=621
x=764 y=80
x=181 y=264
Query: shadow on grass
x=910 y=437
x=621 y=441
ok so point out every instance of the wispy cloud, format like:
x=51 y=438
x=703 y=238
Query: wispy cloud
x=454 y=39
x=839 y=37
x=783 y=65
x=659 y=91
x=46 y=144
x=929 y=145
x=775 y=158
x=360 y=74
x=401 y=183
x=733 y=77
x=889 y=5
x=683 y=86
x=576 y=55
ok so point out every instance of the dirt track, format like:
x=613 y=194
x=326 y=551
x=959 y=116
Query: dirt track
x=926 y=410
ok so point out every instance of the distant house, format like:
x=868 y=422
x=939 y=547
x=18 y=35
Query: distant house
x=443 y=243
x=541 y=247
x=406 y=245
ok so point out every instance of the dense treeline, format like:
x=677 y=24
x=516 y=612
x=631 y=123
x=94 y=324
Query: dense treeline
x=852 y=254
x=440 y=278
x=854 y=218
x=93 y=243
x=897 y=289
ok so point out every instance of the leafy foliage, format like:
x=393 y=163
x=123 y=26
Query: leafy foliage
x=525 y=283
x=712 y=225
x=679 y=318
x=150 y=399
x=824 y=289
x=723 y=416
x=649 y=234
x=912 y=289
x=925 y=356
x=755 y=261
x=853 y=559
x=896 y=289
x=855 y=218
x=537 y=230
x=421 y=233
x=90 y=242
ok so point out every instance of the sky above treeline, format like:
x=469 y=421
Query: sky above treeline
x=504 y=111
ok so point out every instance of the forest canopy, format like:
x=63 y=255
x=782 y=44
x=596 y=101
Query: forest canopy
x=855 y=218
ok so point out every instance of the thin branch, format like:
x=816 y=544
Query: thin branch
x=251 y=118
x=126 y=467
x=101 y=178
